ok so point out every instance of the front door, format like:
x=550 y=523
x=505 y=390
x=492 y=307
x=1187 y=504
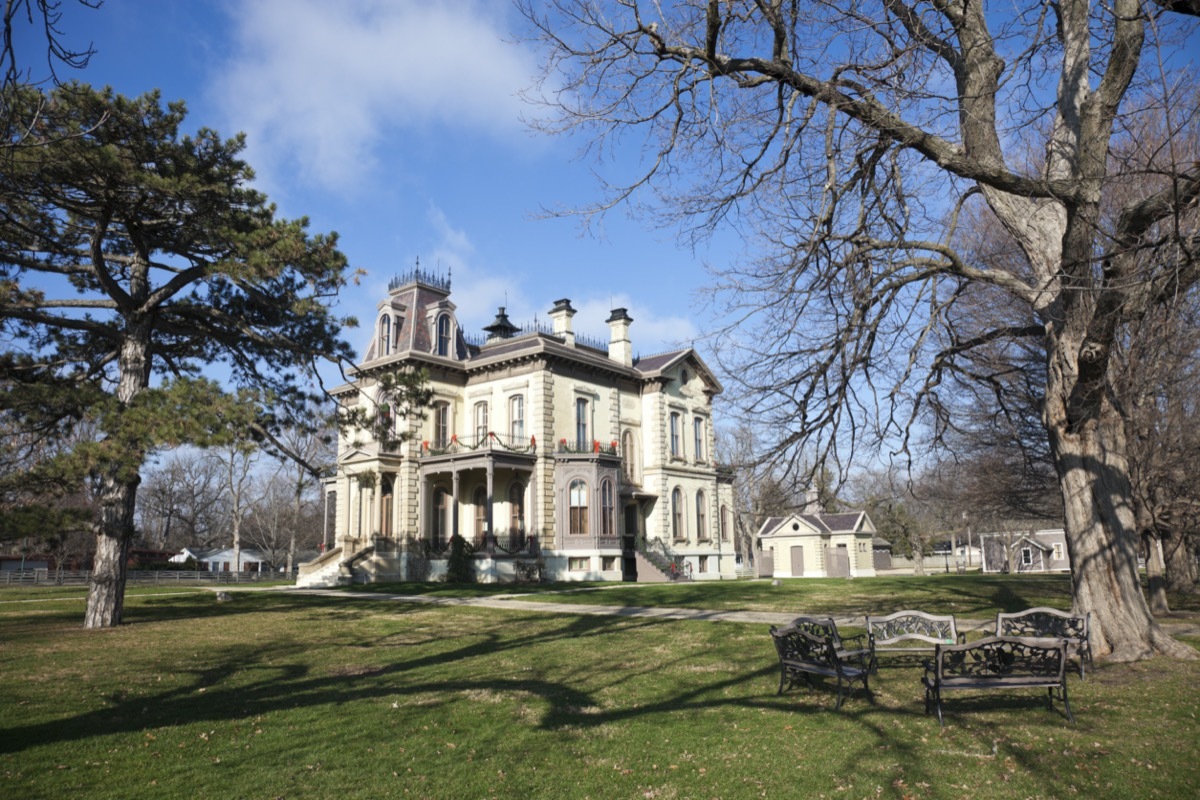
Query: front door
x=797 y=561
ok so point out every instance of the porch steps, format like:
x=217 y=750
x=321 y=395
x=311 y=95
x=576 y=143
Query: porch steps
x=655 y=568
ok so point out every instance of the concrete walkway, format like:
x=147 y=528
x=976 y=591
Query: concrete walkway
x=516 y=602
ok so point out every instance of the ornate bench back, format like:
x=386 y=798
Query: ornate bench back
x=793 y=643
x=912 y=625
x=999 y=656
x=819 y=627
x=1043 y=621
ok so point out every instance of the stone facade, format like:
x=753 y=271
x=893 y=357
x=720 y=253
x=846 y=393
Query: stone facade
x=538 y=444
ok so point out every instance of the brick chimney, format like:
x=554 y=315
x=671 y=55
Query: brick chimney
x=561 y=316
x=620 y=349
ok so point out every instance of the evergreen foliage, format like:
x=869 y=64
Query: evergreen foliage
x=132 y=257
x=459 y=565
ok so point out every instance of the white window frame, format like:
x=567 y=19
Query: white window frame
x=516 y=418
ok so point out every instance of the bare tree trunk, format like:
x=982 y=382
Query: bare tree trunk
x=106 y=593
x=1180 y=564
x=1156 y=575
x=1100 y=534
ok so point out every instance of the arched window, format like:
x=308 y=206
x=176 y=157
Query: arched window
x=443 y=335
x=701 y=517
x=676 y=445
x=441 y=425
x=516 y=418
x=479 y=500
x=385 y=336
x=582 y=440
x=627 y=455
x=698 y=436
x=608 y=509
x=677 y=530
x=579 y=507
x=481 y=422
x=516 y=512
x=724 y=523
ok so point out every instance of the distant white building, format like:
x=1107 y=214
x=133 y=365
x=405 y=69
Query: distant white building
x=222 y=559
x=1026 y=551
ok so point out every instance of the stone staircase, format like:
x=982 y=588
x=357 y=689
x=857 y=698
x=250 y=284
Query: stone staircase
x=657 y=563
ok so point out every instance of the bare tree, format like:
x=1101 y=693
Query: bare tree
x=850 y=139
x=181 y=503
x=237 y=459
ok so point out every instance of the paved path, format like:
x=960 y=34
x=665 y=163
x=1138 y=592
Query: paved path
x=516 y=602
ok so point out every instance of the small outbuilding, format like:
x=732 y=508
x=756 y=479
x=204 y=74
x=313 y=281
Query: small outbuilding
x=817 y=546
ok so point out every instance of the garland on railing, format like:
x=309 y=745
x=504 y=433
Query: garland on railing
x=491 y=440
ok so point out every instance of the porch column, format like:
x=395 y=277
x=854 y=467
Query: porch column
x=423 y=506
x=454 y=505
x=489 y=536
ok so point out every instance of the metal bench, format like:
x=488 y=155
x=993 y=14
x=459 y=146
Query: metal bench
x=802 y=655
x=998 y=662
x=1052 y=623
x=906 y=632
x=848 y=647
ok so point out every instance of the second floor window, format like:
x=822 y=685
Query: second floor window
x=724 y=523
x=698 y=436
x=516 y=418
x=677 y=530
x=701 y=517
x=481 y=422
x=676 y=446
x=627 y=455
x=441 y=425
x=582 y=439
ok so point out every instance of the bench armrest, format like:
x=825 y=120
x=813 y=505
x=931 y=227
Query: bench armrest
x=860 y=642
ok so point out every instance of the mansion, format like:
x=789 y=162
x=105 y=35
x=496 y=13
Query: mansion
x=540 y=447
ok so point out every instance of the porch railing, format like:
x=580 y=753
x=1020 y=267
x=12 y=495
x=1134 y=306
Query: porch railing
x=489 y=441
x=660 y=555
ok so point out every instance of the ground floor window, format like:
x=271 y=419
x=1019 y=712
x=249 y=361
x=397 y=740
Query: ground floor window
x=608 y=563
x=1026 y=556
x=703 y=565
x=579 y=563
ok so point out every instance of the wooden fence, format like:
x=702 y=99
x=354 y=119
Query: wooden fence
x=49 y=577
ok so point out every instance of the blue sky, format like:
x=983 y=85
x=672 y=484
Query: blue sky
x=398 y=124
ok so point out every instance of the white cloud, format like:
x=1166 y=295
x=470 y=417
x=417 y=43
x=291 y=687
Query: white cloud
x=321 y=88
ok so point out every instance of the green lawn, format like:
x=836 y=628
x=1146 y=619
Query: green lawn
x=285 y=696
x=968 y=596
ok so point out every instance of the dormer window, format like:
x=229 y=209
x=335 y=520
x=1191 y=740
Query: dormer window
x=443 y=335
x=385 y=337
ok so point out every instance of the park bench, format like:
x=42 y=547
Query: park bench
x=802 y=655
x=1054 y=624
x=907 y=632
x=997 y=662
x=848 y=647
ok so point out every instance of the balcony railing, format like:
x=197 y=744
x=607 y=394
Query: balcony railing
x=591 y=446
x=487 y=442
